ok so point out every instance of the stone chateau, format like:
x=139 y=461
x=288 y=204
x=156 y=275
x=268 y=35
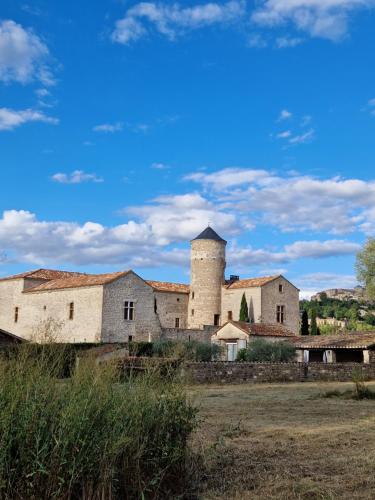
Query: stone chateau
x=122 y=306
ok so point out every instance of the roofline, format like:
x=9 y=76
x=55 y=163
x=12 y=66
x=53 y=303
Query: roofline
x=59 y=289
x=286 y=279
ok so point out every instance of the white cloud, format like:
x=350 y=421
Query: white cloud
x=319 y=18
x=174 y=20
x=11 y=119
x=23 y=55
x=284 y=135
x=76 y=177
x=286 y=42
x=249 y=256
x=160 y=166
x=313 y=283
x=284 y=115
x=109 y=128
x=304 y=138
x=294 y=202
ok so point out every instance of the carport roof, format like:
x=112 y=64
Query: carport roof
x=355 y=340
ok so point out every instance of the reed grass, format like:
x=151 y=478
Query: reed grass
x=89 y=436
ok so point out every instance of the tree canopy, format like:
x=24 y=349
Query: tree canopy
x=365 y=266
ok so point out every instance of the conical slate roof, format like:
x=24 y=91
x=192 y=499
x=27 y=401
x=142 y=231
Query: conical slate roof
x=209 y=234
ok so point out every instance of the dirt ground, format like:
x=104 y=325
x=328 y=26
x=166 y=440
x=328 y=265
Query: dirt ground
x=284 y=441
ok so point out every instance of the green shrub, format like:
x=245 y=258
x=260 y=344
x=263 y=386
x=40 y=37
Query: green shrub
x=261 y=350
x=89 y=436
x=206 y=352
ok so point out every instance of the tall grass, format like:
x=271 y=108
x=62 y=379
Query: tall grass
x=89 y=436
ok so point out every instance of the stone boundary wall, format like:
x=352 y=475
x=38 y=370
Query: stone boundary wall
x=185 y=334
x=222 y=372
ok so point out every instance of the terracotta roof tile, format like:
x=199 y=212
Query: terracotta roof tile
x=345 y=341
x=76 y=282
x=263 y=329
x=164 y=286
x=251 y=282
x=42 y=274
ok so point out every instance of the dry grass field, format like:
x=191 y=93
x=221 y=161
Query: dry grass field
x=285 y=441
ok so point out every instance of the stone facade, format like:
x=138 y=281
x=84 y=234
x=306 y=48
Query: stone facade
x=171 y=308
x=145 y=326
x=44 y=316
x=280 y=292
x=231 y=303
x=207 y=277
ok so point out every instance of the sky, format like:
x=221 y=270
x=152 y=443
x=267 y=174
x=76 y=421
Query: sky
x=127 y=127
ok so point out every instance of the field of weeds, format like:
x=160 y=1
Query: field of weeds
x=284 y=441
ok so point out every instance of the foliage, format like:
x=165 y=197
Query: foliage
x=89 y=436
x=262 y=351
x=365 y=266
x=313 y=325
x=305 y=323
x=244 y=310
x=192 y=351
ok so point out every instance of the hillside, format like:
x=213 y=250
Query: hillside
x=352 y=308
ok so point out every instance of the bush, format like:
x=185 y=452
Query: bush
x=261 y=350
x=89 y=436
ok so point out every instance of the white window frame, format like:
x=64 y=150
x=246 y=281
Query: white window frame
x=129 y=310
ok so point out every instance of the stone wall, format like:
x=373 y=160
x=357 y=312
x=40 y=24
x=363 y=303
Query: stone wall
x=185 y=334
x=231 y=301
x=145 y=326
x=170 y=306
x=289 y=298
x=44 y=315
x=237 y=373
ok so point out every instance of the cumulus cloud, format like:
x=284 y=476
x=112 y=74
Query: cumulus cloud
x=76 y=177
x=312 y=283
x=319 y=18
x=297 y=202
x=249 y=256
x=109 y=128
x=174 y=20
x=160 y=166
x=23 y=55
x=145 y=241
x=11 y=119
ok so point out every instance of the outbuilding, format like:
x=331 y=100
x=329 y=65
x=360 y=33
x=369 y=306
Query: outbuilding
x=356 y=347
x=236 y=335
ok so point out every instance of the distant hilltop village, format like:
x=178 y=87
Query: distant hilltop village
x=123 y=307
x=357 y=293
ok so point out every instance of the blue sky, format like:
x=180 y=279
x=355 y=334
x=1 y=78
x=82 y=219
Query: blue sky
x=126 y=127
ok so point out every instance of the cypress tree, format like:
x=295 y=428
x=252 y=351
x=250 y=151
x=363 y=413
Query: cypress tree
x=244 y=310
x=313 y=326
x=305 y=323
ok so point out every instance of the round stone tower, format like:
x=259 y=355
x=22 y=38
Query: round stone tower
x=207 y=261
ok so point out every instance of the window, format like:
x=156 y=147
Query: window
x=45 y=308
x=280 y=314
x=192 y=312
x=155 y=306
x=130 y=338
x=178 y=299
x=16 y=311
x=177 y=323
x=192 y=295
x=129 y=310
x=281 y=288
x=71 y=310
x=216 y=319
x=230 y=315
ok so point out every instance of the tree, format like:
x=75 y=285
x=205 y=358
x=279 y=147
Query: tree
x=244 y=310
x=305 y=323
x=365 y=266
x=313 y=326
